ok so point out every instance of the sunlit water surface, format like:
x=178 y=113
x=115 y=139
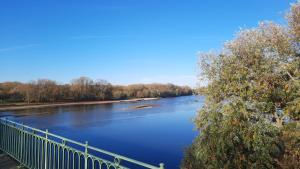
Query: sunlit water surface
x=152 y=135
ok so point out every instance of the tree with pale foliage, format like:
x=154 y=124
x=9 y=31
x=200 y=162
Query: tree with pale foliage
x=252 y=100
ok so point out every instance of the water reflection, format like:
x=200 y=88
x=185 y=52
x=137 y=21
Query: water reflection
x=153 y=135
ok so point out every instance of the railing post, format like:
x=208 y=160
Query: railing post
x=22 y=140
x=161 y=166
x=46 y=151
x=86 y=155
x=63 y=155
x=6 y=133
x=33 y=155
x=37 y=155
x=14 y=138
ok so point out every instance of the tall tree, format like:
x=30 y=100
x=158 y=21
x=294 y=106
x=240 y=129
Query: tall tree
x=252 y=92
x=102 y=90
x=81 y=88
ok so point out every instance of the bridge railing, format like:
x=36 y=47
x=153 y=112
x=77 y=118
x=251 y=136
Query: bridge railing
x=38 y=149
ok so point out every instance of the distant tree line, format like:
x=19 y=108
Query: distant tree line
x=84 y=89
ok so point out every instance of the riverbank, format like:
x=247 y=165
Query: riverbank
x=34 y=106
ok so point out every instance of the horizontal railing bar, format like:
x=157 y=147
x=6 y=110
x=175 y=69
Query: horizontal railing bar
x=97 y=158
x=25 y=126
x=91 y=148
x=66 y=140
x=44 y=132
x=38 y=136
x=123 y=157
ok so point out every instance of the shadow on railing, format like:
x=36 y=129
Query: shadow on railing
x=38 y=149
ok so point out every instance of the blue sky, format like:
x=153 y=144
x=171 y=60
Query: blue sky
x=122 y=41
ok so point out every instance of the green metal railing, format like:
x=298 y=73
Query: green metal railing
x=38 y=149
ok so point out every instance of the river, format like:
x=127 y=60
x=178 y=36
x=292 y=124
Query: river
x=152 y=135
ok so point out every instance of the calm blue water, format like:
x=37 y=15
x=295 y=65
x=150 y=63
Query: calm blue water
x=153 y=135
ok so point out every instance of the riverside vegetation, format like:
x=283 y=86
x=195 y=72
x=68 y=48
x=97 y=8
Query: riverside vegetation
x=252 y=110
x=83 y=89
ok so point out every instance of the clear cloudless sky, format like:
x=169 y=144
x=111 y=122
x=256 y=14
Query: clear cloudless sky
x=122 y=41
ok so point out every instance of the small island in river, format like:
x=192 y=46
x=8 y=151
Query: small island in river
x=33 y=106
